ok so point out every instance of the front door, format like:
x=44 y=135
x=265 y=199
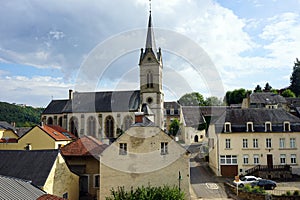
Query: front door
x=270 y=161
x=83 y=185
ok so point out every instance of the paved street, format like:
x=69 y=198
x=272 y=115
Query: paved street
x=204 y=184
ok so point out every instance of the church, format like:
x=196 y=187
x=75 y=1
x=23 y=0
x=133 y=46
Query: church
x=106 y=115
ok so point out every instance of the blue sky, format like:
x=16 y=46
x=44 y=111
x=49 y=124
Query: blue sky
x=44 y=45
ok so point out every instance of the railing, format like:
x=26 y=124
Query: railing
x=268 y=168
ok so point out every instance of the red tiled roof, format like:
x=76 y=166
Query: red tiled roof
x=57 y=132
x=9 y=140
x=50 y=197
x=85 y=146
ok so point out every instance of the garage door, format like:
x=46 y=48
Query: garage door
x=229 y=170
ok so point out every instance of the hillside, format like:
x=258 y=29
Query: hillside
x=21 y=115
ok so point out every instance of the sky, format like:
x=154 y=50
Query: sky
x=208 y=46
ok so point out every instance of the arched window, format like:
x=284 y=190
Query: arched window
x=109 y=127
x=127 y=122
x=149 y=80
x=196 y=138
x=50 y=121
x=73 y=126
x=60 y=121
x=91 y=126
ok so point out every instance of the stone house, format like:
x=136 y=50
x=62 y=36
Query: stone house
x=82 y=157
x=144 y=155
x=244 y=138
x=46 y=169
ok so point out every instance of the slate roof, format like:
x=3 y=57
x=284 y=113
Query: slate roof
x=56 y=132
x=192 y=116
x=239 y=118
x=293 y=101
x=85 y=146
x=212 y=110
x=13 y=188
x=266 y=98
x=34 y=165
x=6 y=126
x=83 y=102
x=171 y=104
x=50 y=197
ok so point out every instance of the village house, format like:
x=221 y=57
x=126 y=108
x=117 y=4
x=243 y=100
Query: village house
x=8 y=133
x=144 y=155
x=82 y=156
x=265 y=100
x=241 y=139
x=46 y=169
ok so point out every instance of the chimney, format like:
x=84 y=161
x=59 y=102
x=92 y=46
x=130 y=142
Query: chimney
x=70 y=94
x=139 y=117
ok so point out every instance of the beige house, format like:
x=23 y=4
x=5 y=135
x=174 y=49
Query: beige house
x=144 y=155
x=46 y=169
x=242 y=139
x=8 y=133
x=267 y=100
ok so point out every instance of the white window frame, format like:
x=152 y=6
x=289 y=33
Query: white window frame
x=245 y=143
x=256 y=159
x=282 y=159
x=227 y=143
x=281 y=143
x=228 y=159
x=292 y=143
x=255 y=143
x=245 y=159
x=289 y=126
x=251 y=125
x=293 y=159
x=227 y=124
x=268 y=124
x=164 y=148
x=268 y=143
x=94 y=180
x=123 y=149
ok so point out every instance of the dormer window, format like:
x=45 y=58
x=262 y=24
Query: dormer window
x=227 y=127
x=286 y=126
x=268 y=127
x=250 y=127
x=172 y=111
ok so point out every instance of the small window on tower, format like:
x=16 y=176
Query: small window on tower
x=149 y=58
x=149 y=100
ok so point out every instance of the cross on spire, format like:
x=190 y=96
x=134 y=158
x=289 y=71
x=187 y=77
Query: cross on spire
x=150 y=6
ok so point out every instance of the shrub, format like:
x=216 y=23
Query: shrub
x=288 y=193
x=296 y=193
x=147 y=193
x=247 y=188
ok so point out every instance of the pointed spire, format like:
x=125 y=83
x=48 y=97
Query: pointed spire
x=150 y=41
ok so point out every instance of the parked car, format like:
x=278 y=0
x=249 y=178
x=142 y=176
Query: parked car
x=245 y=180
x=265 y=183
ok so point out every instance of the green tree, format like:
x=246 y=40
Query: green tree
x=147 y=193
x=257 y=89
x=213 y=101
x=192 y=99
x=288 y=93
x=267 y=88
x=174 y=127
x=295 y=79
x=236 y=96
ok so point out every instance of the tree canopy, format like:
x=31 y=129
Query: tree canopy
x=288 y=93
x=174 y=127
x=192 y=99
x=295 y=78
x=236 y=96
x=257 y=89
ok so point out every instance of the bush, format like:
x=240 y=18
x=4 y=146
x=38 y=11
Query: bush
x=147 y=193
x=296 y=193
x=247 y=188
x=288 y=193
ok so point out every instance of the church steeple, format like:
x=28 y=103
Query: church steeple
x=150 y=41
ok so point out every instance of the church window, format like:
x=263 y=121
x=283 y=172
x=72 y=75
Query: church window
x=91 y=126
x=73 y=125
x=50 y=121
x=109 y=127
x=149 y=80
x=127 y=122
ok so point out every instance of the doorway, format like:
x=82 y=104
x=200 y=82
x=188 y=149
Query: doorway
x=270 y=161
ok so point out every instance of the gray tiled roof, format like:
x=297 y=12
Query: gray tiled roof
x=13 y=188
x=110 y=101
x=171 y=104
x=192 y=116
x=266 y=98
x=239 y=118
x=5 y=125
x=32 y=165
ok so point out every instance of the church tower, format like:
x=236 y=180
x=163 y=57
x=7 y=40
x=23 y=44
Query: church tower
x=151 y=68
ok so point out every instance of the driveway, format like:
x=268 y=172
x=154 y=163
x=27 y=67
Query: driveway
x=204 y=183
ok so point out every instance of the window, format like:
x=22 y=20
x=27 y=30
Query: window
x=227 y=143
x=250 y=127
x=292 y=142
x=127 y=122
x=172 y=111
x=286 y=126
x=268 y=127
x=255 y=143
x=65 y=195
x=228 y=159
x=281 y=143
x=268 y=143
x=109 y=127
x=293 y=159
x=282 y=159
x=227 y=127
x=245 y=159
x=91 y=126
x=256 y=159
x=149 y=80
x=163 y=148
x=123 y=149
x=245 y=143
x=96 y=180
